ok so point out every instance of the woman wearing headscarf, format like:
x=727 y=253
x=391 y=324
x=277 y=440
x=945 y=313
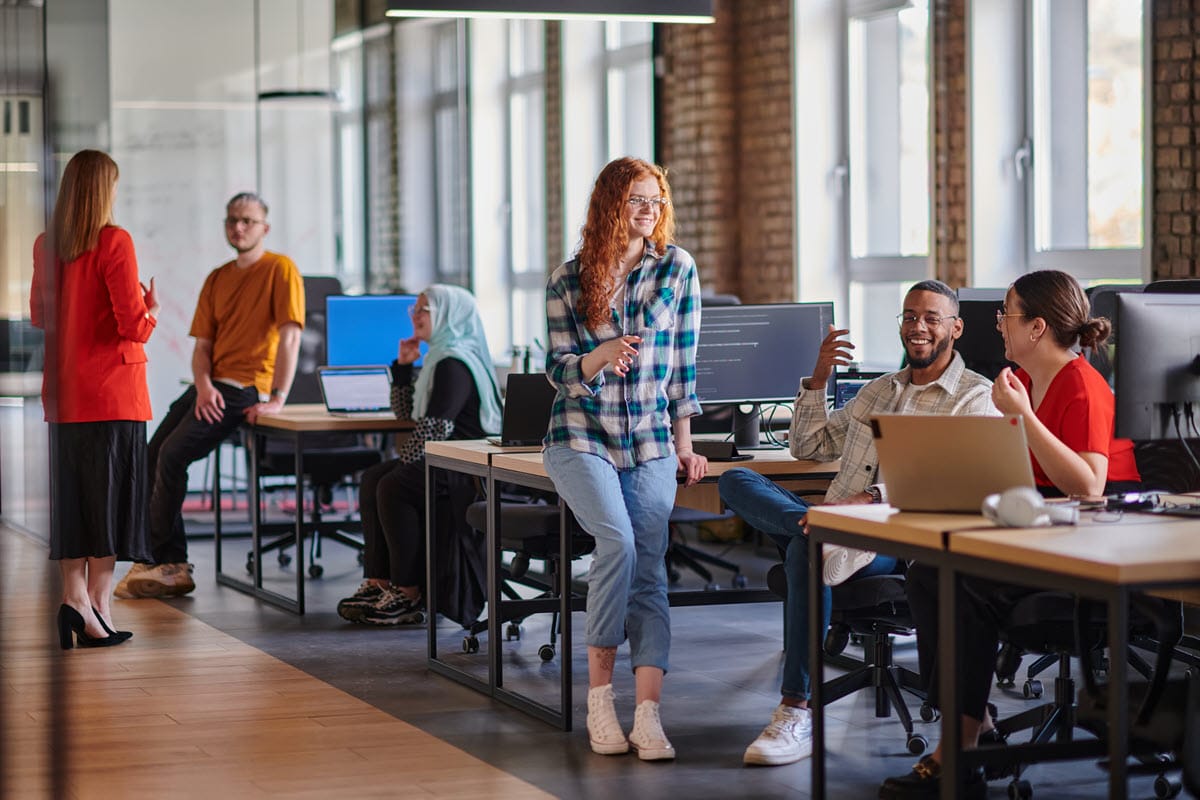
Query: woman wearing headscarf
x=454 y=396
x=96 y=315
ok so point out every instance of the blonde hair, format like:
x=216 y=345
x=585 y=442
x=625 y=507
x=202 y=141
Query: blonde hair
x=84 y=203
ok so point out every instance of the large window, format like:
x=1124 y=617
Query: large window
x=888 y=202
x=1058 y=105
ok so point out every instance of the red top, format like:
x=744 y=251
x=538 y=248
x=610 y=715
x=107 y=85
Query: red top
x=1079 y=409
x=95 y=364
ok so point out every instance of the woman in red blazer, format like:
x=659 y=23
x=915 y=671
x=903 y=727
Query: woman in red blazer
x=97 y=316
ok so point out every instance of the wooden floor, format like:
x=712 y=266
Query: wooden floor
x=184 y=710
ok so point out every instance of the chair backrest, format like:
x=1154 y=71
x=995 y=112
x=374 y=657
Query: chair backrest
x=1103 y=298
x=1174 y=286
x=305 y=387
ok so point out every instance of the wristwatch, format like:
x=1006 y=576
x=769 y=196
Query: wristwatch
x=875 y=492
x=276 y=393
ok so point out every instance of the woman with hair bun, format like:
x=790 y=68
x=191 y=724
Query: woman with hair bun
x=1067 y=405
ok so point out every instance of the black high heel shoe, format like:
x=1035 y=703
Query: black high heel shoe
x=71 y=621
x=123 y=634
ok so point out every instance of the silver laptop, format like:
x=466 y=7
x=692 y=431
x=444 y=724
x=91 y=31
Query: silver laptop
x=356 y=391
x=948 y=463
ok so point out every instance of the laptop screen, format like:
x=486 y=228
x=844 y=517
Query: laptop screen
x=356 y=388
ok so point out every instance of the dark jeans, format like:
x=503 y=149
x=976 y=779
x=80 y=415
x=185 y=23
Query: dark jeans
x=180 y=440
x=777 y=512
x=391 y=498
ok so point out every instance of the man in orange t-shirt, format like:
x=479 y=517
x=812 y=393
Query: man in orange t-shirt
x=247 y=329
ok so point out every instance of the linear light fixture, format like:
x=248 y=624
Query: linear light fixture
x=682 y=11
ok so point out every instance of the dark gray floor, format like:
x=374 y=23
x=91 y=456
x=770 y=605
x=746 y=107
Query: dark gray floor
x=720 y=692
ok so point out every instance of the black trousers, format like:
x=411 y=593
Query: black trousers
x=982 y=607
x=391 y=498
x=180 y=440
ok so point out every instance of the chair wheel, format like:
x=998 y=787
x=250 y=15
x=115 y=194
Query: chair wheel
x=315 y=570
x=1020 y=790
x=711 y=587
x=512 y=631
x=1164 y=787
x=249 y=563
x=470 y=644
x=284 y=559
x=360 y=558
x=1008 y=661
x=740 y=582
x=1005 y=681
x=546 y=652
x=916 y=744
x=1032 y=689
x=930 y=713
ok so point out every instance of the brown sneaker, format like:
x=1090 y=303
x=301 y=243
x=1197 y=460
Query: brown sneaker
x=161 y=580
x=123 y=591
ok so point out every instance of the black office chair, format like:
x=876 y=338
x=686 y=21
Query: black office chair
x=331 y=460
x=1174 y=286
x=530 y=531
x=680 y=554
x=1103 y=299
x=873 y=610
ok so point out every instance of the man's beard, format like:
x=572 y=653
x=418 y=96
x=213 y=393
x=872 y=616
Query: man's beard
x=922 y=363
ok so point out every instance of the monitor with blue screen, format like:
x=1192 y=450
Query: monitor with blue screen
x=367 y=328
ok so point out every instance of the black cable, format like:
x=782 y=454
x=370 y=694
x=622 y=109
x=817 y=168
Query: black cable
x=1179 y=431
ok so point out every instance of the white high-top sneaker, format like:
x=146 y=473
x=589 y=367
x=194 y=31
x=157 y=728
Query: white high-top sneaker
x=604 y=729
x=647 y=736
x=787 y=738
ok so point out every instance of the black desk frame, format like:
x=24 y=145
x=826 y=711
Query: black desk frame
x=951 y=566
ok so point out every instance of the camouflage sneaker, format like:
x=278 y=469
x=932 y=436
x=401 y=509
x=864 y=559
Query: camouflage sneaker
x=161 y=580
x=394 y=608
x=353 y=607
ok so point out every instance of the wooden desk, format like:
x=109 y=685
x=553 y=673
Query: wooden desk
x=527 y=469
x=295 y=423
x=1104 y=560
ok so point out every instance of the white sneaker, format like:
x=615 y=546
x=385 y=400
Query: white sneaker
x=647 y=737
x=604 y=729
x=842 y=562
x=787 y=738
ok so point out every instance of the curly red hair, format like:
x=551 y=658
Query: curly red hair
x=605 y=237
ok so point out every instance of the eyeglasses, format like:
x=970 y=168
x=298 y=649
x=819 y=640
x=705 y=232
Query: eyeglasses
x=907 y=320
x=1002 y=312
x=413 y=310
x=655 y=203
x=233 y=222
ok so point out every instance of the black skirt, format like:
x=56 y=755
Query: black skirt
x=98 y=490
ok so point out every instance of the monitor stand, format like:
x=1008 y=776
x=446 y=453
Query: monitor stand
x=746 y=428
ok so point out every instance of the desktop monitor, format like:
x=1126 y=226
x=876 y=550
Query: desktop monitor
x=981 y=345
x=750 y=354
x=1157 y=367
x=366 y=329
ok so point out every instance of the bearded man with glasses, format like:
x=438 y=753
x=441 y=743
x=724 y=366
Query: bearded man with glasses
x=247 y=329
x=934 y=381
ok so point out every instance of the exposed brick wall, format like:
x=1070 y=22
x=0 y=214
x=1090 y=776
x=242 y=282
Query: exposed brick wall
x=554 y=165
x=726 y=136
x=1176 y=104
x=951 y=192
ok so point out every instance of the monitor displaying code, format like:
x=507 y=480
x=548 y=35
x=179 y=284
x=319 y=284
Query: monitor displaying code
x=758 y=353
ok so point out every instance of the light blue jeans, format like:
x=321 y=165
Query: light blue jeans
x=626 y=511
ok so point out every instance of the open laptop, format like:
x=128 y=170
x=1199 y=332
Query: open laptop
x=356 y=391
x=528 y=397
x=948 y=463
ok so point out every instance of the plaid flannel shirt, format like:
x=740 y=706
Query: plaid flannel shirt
x=823 y=435
x=626 y=419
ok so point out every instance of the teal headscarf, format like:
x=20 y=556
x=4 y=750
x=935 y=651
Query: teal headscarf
x=458 y=333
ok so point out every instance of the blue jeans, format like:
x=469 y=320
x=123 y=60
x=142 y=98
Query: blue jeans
x=778 y=513
x=626 y=511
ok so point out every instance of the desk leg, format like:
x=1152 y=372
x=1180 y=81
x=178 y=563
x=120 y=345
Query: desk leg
x=565 y=649
x=216 y=495
x=1118 y=703
x=299 y=454
x=256 y=519
x=953 y=776
x=816 y=671
x=430 y=561
x=492 y=546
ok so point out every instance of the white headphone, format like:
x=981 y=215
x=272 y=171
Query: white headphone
x=1022 y=507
